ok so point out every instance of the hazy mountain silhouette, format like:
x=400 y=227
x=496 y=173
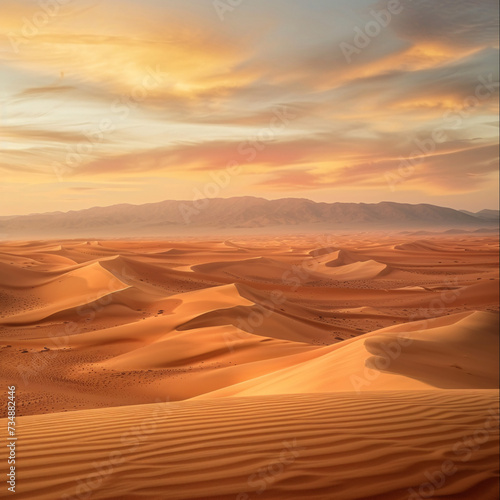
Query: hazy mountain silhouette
x=222 y=214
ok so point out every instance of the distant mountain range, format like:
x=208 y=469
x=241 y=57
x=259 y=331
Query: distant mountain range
x=222 y=215
x=484 y=214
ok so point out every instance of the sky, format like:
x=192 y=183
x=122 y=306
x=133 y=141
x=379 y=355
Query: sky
x=140 y=101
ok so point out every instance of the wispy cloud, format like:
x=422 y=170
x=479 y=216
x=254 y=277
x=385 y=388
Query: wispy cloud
x=220 y=82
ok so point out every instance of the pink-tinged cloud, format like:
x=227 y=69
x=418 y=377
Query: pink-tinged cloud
x=351 y=121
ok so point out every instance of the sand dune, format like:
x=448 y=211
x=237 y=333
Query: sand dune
x=376 y=445
x=254 y=269
x=357 y=270
x=371 y=357
x=464 y=356
x=91 y=280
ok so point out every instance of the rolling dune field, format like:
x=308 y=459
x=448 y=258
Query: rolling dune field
x=355 y=366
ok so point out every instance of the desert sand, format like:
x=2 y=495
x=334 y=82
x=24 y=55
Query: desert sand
x=301 y=367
